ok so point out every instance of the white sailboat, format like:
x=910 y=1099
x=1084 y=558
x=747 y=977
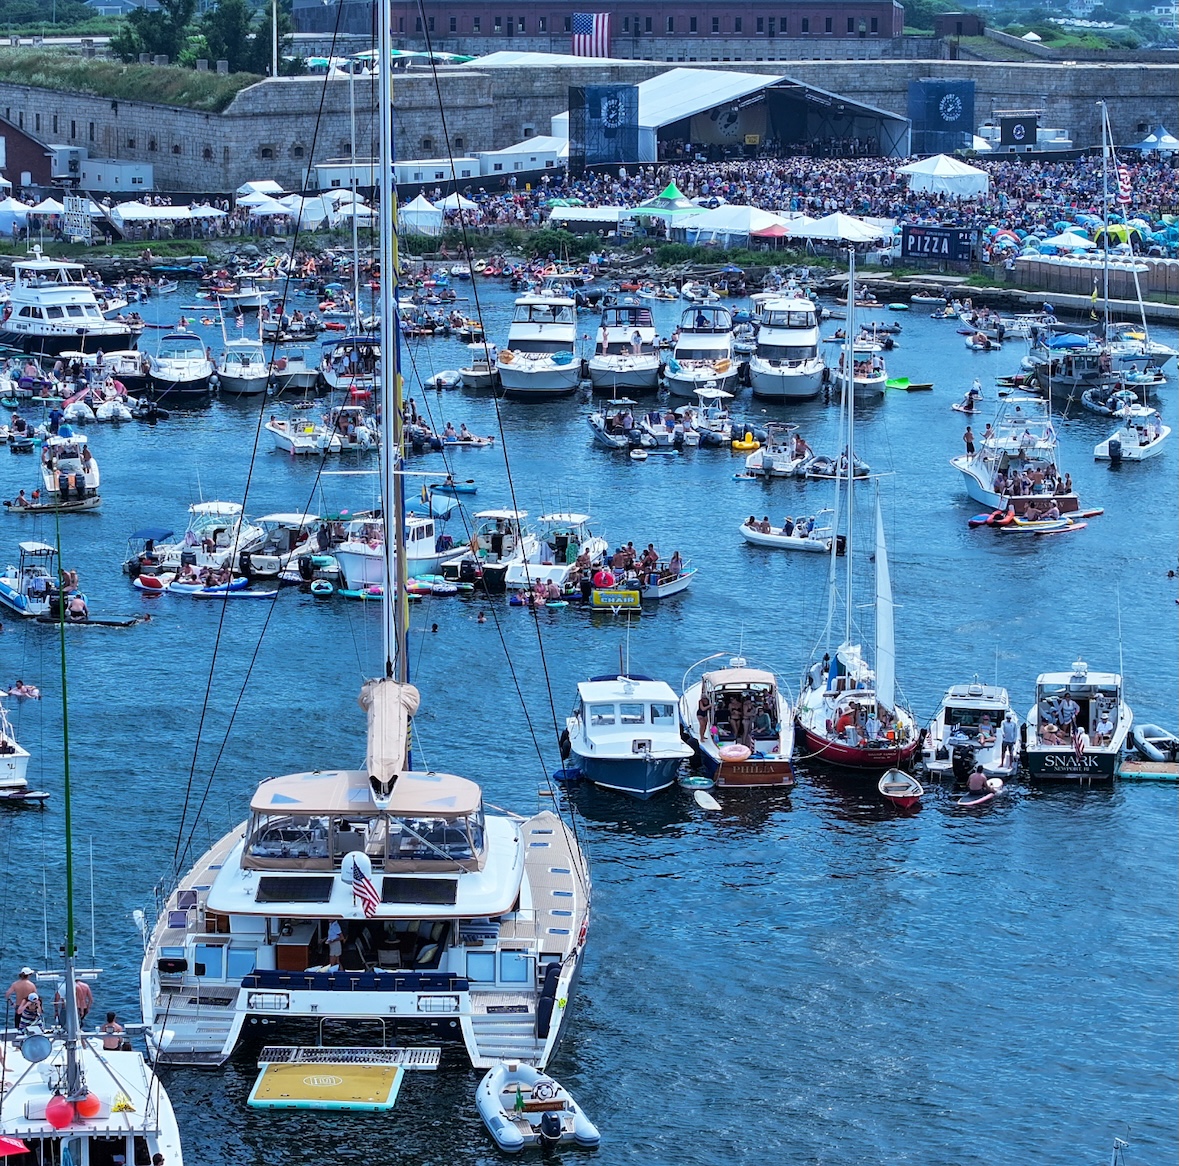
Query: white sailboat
x=378 y=892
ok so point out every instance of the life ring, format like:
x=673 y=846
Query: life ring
x=734 y=752
x=507 y=356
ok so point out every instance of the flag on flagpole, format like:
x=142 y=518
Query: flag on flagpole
x=1125 y=190
x=591 y=34
x=363 y=889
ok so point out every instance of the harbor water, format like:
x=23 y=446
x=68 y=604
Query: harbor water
x=808 y=977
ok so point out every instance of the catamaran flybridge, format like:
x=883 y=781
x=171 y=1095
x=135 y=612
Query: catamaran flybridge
x=474 y=930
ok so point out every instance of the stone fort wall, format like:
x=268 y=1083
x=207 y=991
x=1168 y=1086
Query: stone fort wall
x=275 y=129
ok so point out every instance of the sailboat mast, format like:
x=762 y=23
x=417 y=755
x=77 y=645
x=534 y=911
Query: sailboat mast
x=352 y=207
x=1106 y=146
x=75 y=1081
x=395 y=606
x=849 y=387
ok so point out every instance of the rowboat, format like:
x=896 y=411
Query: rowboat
x=900 y=788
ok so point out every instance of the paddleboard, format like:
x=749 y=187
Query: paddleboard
x=218 y=593
x=24 y=795
x=707 y=802
x=1063 y=529
x=556 y=603
x=971 y=800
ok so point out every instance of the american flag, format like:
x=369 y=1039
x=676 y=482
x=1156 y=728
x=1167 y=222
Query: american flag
x=1125 y=190
x=1079 y=743
x=591 y=34
x=363 y=889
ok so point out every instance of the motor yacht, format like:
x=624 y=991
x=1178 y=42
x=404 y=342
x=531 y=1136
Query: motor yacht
x=499 y=542
x=626 y=352
x=361 y=555
x=739 y=721
x=243 y=371
x=52 y=308
x=869 y=374
x=967 y=730
x=540 y=358
x=564 y=538
x=624 y=734
x=787 y=364
x=1065 y=738
x=216 y=535
x=703 y=354
x=179 y=371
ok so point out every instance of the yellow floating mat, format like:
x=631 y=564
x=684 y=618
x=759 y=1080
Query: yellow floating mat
x=327 y=1086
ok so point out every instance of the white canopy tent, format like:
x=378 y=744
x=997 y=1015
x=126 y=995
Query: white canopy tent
x=255 y=198
x=836 y=227
x=207 y=212
x=270 y=208
x=48 y=206
x=724 y=223
x=262 y=186
x=942 y=174
x=1070 y=241
x=1158 y=139
x=456 y=202
x=13 y=212
x=420 y=217
x=127 y=212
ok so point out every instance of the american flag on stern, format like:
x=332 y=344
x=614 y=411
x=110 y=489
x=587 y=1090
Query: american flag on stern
x=591 y=34
x=1079 y=743
x=363 y=889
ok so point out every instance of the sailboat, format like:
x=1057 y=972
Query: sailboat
x=848 y=715
x=72 y=1096
x=385 y=891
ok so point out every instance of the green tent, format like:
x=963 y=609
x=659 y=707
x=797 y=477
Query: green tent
x=669 y=203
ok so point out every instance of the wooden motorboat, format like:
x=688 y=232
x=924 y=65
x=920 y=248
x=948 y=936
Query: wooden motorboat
x=522 y=1106
x=902 y=789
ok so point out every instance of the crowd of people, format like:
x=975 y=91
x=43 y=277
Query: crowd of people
x=1027 y=195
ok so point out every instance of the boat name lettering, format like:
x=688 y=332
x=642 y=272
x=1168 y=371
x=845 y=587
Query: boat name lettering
x=1070 y=763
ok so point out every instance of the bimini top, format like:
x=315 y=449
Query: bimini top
x=740 y=676
x=289 y=519
x=506 y=515
x=987 y=693
x=570 y=519
x=32 y=548
x=230 y=509
x=426 y=795
x=545 y=301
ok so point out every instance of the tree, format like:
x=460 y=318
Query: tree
x=161 y=32
x=227 y=30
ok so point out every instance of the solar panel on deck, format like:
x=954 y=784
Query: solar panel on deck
x=395 y=890
x=304 y=889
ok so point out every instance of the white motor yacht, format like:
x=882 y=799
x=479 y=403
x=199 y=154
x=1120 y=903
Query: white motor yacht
x=286 y=538
x=361 y=555
x=1077 y=728
x=216 y=535
x=624 y=734
x=703 y=353
x=540 y=358
x=626 y=353
x=342 y=429
x=869 y=374
x=500 y=541
x=1140 y=436
x=787 y=364
x=1023 y=442
x=563 y=539
x=290 y=372
x=51 y=308
x=14 y=763
x=243 y=371
x=28 y=587
x=967 y=730
x=179 y=371
x=351 y=363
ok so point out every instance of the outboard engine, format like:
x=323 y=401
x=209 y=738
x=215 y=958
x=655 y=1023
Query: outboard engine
x=1115 y=451
x=188 y=558
x=962 y=761
x=243 y=561
x=306 y=568
x=467 y=573
x=550 y=1128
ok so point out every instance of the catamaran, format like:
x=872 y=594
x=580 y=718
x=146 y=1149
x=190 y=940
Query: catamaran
x=379 y=893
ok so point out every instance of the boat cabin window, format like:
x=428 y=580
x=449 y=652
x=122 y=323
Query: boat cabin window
x=543 y=314
x=790 y=319
x=968 y=720
x=682 y=353
x=786 y=351
x=54 y=312
x=662 y=714
x=541 y=346
x=601 y=714
x=632 y=714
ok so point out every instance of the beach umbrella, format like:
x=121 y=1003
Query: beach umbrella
x=9 y=1146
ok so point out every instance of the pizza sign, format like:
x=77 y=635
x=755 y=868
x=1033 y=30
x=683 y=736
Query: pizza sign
x=953 y=244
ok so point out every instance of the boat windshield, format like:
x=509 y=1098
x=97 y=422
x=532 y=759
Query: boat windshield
x=181 y=348
x=544 y=314
x=320 y=841
x=787 y=351
x=968 y=720
x=682 y=353
x=788 y=319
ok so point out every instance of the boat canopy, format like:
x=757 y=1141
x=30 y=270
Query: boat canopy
x=289 y=519
x=505 y=515
x=739 y=678
x=566 y=519
x=226 y=509
x=439 y=795
x=34 y=548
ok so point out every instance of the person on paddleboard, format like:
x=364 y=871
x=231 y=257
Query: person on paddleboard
x=976 y=783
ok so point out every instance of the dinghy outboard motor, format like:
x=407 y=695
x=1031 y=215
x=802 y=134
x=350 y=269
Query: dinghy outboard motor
x=1115 y=450
x=962 y=761
x=550 y=1128
x=306 y=568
